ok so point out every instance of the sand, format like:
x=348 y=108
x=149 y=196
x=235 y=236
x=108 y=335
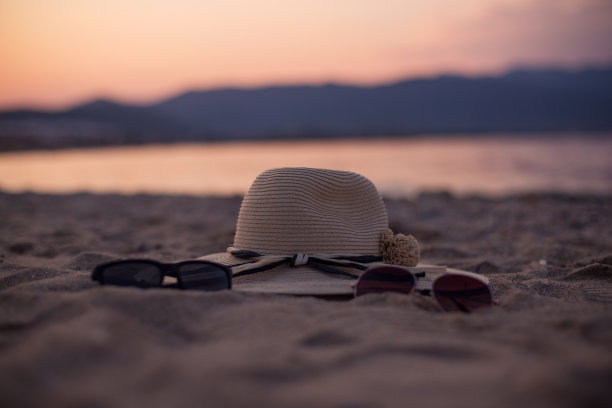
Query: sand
x=67 y=342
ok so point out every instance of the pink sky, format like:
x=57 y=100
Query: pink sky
x=56 y=53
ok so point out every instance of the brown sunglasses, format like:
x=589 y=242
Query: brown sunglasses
x=465 y=292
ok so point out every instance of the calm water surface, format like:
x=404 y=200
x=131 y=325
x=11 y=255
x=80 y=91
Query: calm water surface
x=398 y=167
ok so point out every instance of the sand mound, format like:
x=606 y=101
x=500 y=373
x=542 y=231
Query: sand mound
x=65 y=341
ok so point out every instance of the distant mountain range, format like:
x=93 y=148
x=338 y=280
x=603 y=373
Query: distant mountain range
x=519 y=101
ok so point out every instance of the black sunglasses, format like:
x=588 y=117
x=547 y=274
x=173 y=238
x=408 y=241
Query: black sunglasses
x=145 y=273
x=464 y=292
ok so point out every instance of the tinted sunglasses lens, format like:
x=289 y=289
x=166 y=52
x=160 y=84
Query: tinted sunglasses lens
x=384 y=279
x=203 y=276
x=461 y=293
x=141 y=274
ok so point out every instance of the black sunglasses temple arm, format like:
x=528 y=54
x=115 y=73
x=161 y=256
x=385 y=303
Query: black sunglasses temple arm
x=96 y=275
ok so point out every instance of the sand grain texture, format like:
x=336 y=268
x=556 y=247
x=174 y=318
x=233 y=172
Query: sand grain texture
x=67 y=342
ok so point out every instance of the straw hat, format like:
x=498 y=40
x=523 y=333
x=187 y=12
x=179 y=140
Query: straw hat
x=306 y=231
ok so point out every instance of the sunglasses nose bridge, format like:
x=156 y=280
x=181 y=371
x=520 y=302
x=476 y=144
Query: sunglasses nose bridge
x=170 y=269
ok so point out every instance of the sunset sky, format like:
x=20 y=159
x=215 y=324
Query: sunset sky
x=56 y=53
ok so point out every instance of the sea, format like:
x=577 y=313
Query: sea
x=482 y=164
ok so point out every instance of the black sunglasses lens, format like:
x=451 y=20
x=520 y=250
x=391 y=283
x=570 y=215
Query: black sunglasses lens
x=461 y=293
x=384 y=279
x=131 y=273
x=203 y=276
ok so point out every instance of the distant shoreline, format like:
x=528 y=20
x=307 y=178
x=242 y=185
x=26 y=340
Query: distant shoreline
x=15 y=145
x=522 y=101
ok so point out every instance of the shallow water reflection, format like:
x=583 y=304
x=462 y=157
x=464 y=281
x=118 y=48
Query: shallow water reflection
x=399 y=167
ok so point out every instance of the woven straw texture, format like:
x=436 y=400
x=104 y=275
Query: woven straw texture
x=312 y=211
x=293 y=210
x=301 y=280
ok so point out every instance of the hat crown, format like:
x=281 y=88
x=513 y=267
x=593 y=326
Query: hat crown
x=304 y=210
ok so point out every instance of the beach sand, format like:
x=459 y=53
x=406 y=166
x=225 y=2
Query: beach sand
x=67 y=342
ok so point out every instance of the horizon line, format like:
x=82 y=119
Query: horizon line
x=270 y=85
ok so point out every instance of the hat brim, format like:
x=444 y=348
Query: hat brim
x=300 y=280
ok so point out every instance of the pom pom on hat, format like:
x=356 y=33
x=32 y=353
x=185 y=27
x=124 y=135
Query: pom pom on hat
x=399 y=249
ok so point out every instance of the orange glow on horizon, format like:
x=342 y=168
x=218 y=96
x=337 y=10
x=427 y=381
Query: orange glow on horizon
x=56 y=53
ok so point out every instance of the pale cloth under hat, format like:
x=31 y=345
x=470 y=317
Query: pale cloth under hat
x=306 y=231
